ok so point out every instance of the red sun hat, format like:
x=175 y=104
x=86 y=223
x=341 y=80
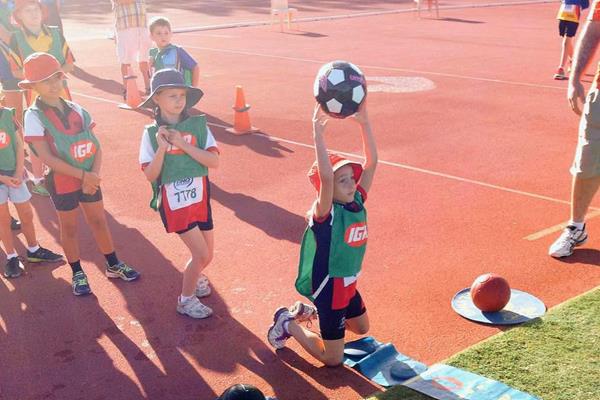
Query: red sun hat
x=337 y=162
x=38 y=67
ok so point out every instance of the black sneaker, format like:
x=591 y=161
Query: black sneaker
x=15 y=225
x=43 y=255
x=13 y=268
x=81 y=287
x=123 y=271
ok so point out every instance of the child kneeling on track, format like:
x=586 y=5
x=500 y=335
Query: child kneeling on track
x=13 y=189
x=332 y=251
x=60 y=133
x=176 y=153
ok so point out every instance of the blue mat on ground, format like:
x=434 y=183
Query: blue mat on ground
x=381 y=363
x=522 y=307
x=444 y=382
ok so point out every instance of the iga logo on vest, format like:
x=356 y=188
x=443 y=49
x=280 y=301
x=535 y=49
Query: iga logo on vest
x=4 y=140
x=356 y=234
x=83 y=150
x=188 y=138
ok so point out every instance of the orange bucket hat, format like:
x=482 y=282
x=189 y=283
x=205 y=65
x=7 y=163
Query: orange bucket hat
x=38 y=67
x=337 y=162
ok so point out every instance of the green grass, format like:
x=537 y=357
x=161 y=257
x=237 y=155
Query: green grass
x=554 y=358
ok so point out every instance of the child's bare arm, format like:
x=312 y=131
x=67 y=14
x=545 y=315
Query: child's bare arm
x=369 y=148
x=196 y=76
x=325 y=200
x=20 y=155
x=152 y=170
x=42 y=149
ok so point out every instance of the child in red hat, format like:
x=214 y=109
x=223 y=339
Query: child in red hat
x=34 y=36
x=333 y=248
x=60 y=133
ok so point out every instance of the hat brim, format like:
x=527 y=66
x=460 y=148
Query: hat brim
x=357 y=168
x=193 y=95
x=26 y=84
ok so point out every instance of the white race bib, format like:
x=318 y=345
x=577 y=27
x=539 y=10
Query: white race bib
x=184 y=192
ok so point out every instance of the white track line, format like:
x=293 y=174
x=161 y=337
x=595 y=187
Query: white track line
x=389 y=163
x=354 y=15
x=393 y=69
x=559 y=227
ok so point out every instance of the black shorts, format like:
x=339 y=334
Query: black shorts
x=332 y=323
x=69 y=201
x=567 y=28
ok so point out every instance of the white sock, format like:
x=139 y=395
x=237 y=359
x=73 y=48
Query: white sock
x=11 y=255
x=36 y=181
x=578 y=225
x=34 y=248
x=184 y=299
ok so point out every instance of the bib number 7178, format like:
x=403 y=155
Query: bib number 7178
x=184 y=192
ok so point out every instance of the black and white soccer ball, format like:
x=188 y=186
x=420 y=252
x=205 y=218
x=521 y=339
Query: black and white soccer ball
x=340 y=88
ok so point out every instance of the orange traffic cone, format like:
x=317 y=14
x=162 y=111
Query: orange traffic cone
x=132 y=94
x=241 y=124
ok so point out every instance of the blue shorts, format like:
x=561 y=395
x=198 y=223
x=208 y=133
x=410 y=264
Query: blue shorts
x=14 y=195
x=567 y=28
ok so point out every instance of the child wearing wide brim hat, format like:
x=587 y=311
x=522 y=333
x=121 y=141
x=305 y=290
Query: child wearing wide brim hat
x=60 y=132
x=176 y=153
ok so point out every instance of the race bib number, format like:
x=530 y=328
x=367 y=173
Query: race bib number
x=184 y=192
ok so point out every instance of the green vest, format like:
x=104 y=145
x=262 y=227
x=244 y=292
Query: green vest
x=157 y=55
x=347 y=247
x=8 y=149
x=56 y=49
x=179 y=165
x=77 y=150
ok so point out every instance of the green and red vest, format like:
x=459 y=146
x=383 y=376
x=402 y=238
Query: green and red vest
x=8 y=149
x=77 y=150
x=56 y=49
x=158 y=61
x=177 y=164
x=348 y=244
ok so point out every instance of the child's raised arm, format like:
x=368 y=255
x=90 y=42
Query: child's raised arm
x=369 y=148
x=325 y=199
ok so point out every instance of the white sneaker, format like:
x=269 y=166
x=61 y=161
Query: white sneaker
x=203 y=287
x=193 y=308
x=303 y=312
x=568 y=240
x=277 y=334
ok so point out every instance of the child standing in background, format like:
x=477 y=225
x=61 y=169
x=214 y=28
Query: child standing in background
x=568 y=17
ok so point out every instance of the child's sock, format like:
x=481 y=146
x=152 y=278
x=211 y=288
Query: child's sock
x=34 y=248
x=578 y=225
x=11 y=255
x=183 y=299
x=112 y=259
x=76 y=267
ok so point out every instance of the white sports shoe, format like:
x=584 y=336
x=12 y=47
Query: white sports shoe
x=277 y=334
x=193 y=308
x=303 y=312
x=203 y=287
x=568 y=240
